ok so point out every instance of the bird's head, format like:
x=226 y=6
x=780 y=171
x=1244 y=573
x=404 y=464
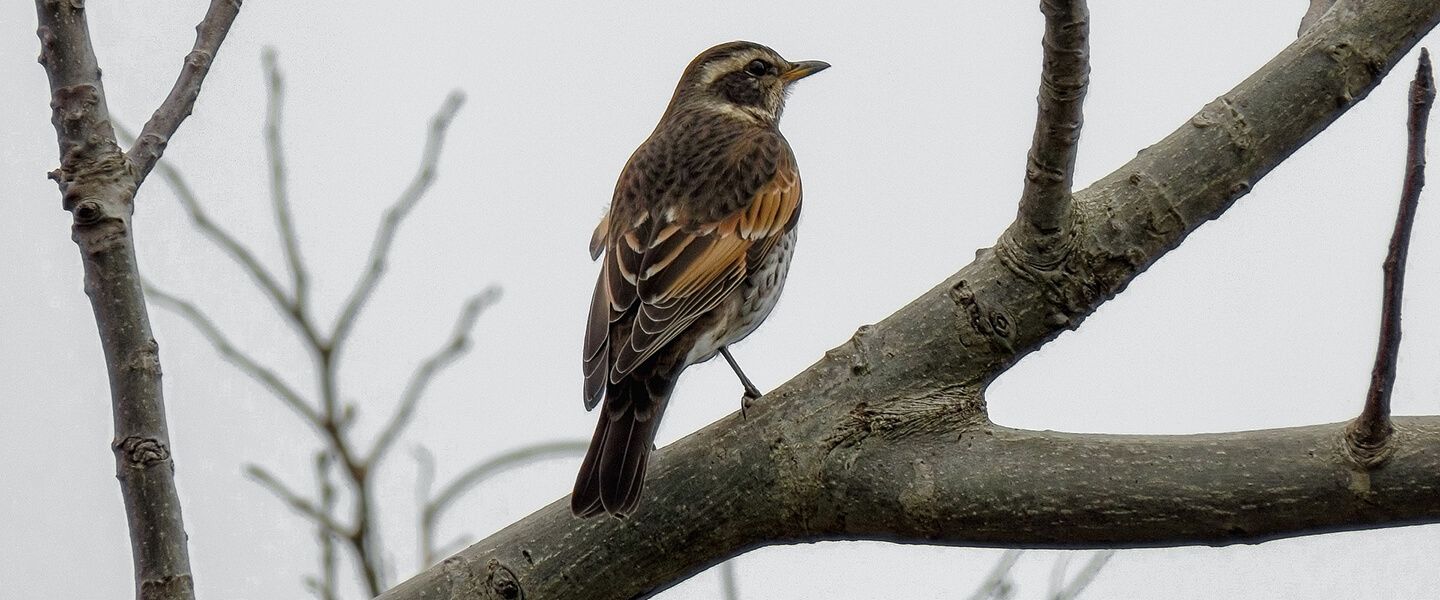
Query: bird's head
x=743 y=80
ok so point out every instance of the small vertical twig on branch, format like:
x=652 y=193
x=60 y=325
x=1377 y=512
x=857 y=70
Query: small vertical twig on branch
x=325 y=585
x=456 y=346
x=1084 y=578
x=385 y=234
x=209 y=34
x=729 y=584
x=997 y=583
x=279 y=181
x=97 y=186
x=1368 y=433
x=1064 y=76
x=431 y=508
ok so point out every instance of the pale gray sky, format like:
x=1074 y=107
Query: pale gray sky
x=912 y=149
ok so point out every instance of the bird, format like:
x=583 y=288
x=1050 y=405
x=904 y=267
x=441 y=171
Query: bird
x=694 y=251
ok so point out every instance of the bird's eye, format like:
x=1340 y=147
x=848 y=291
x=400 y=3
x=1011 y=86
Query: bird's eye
x=757 y=68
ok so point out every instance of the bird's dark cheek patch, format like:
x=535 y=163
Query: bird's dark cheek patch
x=742 y=89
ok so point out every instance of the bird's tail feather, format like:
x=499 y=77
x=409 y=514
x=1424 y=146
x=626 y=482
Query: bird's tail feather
x=613 y=472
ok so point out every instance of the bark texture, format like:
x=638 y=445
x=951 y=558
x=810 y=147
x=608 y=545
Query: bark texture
x=886 y=438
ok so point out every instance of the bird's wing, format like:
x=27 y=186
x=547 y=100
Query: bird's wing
x=688 y=269
x=663 y=269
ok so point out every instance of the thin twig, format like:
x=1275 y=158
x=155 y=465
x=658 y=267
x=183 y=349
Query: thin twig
x=1064 y=75
x=424 y=483
x=455 y=347
x=298 y=503
x=209 y=34
x=238 y=252
x=997 y=583
x=327 y=583
x=1369 y=432
x=433 y=508
x=1058 y=570
x=279 y=179
x=729 y=584
x=222 y=344
x=380 y=248
x=292 y=308
x=1085 y=577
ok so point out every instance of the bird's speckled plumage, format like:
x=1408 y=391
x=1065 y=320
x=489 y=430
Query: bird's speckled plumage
x=694 y=253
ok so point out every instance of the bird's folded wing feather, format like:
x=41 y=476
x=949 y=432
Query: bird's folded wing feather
x=677 y=271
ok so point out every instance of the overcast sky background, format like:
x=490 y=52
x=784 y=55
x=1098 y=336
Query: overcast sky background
x=912 y=149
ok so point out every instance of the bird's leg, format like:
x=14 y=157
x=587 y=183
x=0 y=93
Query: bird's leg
x=751 y=392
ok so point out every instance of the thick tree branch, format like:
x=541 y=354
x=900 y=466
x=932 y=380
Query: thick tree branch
x=97 y=185
x=380 y=248
x=886 y=437
x=1368 y=434
x=1317 y=9
x=209 y=34
x=1050 y=166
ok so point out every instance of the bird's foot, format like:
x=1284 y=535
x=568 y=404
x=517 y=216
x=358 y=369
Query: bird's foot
x=747 y=399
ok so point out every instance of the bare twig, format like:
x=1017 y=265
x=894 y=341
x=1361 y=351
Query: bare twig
x=238 y=252
x=330 y=419
x=1050 y=170
x=454 y=348
x=326 y=586
x=279 y=180
x=1369 y=432
x=729 y=585
x=432 y=508
x=1058 y=570
x=997 y=583
x=292 y=308
x=299 y=504
x=380 y=248
x=1085 y=577
x=260 y=373
x=209 y=34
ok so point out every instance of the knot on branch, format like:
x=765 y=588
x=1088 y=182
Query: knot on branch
x=199 y=59
x=1357 y=65
x=96 y=172
x=170 y=586
x=1369 y=447
x=1164 y=218
x=142 y=452
x=947 y=410
x=860 y=361
x=146 y=359
x=1223 y=113
x=498 y=583
x=987 y=318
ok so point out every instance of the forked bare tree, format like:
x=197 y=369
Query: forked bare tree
x=887 y=437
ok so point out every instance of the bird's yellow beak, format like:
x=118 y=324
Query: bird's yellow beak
x=803 y=69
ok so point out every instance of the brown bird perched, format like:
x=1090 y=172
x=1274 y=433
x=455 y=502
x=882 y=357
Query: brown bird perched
x=696 y=247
